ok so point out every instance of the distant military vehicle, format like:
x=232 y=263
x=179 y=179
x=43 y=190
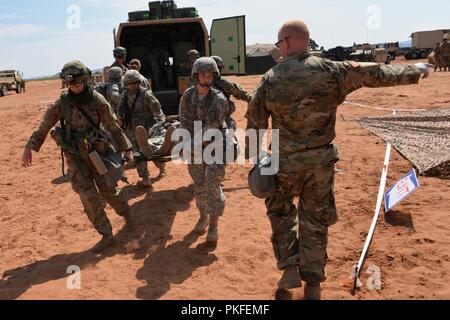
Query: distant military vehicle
x=11 y=80
x=393 y=49
x=423 y=43
x=161 y=37
x=378 y=55
x=338 y=53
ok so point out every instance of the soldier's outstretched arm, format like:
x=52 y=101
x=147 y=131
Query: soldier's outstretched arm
x=355 y=75
x=155 y=107
x=234 y=89
x=108 y=119
x=51 y=117
x=257 y=114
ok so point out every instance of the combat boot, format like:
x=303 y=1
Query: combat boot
x=104 y=243
x=162 y=169
x=202 y=223
x=145 y=183
x=142 y=141
x=213 y=235
x=290 y=278
x=312 y=291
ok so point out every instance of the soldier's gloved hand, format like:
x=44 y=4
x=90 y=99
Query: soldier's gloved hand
x=424 y=68
x=27 y=157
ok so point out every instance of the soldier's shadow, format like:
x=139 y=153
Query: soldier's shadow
x=173 y=264
x=154 y=224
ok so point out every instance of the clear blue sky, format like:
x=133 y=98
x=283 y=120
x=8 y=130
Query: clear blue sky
x=36 y=40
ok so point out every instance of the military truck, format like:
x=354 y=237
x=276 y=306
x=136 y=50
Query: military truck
x=161 y=44
x=11 y=80
x=378 y=55
x=423 y=43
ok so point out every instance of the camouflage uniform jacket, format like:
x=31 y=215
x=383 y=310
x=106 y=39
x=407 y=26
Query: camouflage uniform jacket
x=97 y=108
x=121 y=66
x=113 y=94
x=211 y=111
x=302 y=94
x=147 y=110
x=231 y=88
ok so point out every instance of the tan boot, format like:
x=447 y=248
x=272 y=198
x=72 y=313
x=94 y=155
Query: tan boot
x=142 y=140
x=162 y=169
x=290 y=278
x=312 y=291
x=202 y=224
x=213 y=235
x=166 y=148
x=145 y=183
x=103 y=244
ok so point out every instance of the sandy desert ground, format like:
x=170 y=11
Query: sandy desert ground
x=43 y=229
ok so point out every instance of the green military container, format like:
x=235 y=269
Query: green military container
x=168 y=13
x=154 y=4
x=186 y=13
x=138 y=16
x=155 y=8
x=169 y=4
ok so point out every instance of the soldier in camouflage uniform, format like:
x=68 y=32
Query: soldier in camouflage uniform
x=445 y=53
x=112 y=90
x=120 y=54
x=139 y=108
x=192 y=55
x=209 y=106
x=229 y=89
x=301 y=95
x=85 y=115
x=135 y=64
x=438 y=57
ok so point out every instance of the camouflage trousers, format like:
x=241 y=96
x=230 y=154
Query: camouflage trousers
x=305 y=243
x=91 y=188
x=209 y=196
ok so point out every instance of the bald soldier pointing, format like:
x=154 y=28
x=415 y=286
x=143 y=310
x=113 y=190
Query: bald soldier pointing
x=301 y=95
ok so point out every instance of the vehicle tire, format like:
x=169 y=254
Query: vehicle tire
x=3 y=91
x=414 y=56
x=388 y=60
x=19 y=88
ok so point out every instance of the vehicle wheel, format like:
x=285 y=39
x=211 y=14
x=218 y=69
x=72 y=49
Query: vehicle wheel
x=3 y=91
x=414 y=56
x=19 y=88
x=388 y=60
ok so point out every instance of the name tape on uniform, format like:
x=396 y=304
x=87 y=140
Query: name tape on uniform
x=401 y=190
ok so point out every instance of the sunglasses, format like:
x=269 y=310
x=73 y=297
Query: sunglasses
x=277 y=44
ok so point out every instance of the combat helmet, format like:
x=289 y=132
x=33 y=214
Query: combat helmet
x=219 y=62
x=119 y=52
x=193 y=53
x=131 y=76
x=205 y=64
x=75 y=71
x=115 y=74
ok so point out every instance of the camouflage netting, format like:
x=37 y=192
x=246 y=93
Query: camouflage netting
x=421 y=137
